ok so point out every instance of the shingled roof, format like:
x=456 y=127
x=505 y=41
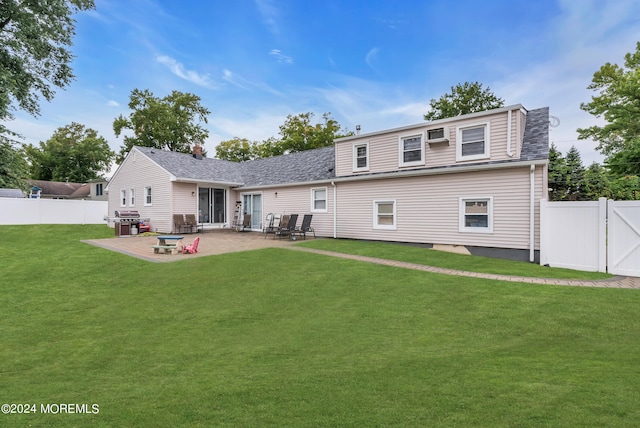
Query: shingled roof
x=535 y=144
x=300 y=167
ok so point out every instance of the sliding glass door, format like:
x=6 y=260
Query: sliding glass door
x=252 y=204
x=212 y=204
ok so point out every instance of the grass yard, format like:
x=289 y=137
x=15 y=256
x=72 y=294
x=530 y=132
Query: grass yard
x=284 y=338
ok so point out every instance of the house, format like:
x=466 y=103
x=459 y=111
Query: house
x=473 y=180
x=94 y=189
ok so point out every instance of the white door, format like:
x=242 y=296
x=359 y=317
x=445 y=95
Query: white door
x=252 y=204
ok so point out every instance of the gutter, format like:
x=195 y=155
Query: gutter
x=532 y=206
x=335 y=209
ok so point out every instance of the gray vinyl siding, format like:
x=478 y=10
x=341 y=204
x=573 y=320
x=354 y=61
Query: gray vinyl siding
x=427 y=208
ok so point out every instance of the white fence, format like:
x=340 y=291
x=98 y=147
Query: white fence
x=599 y=236
x=52 y=211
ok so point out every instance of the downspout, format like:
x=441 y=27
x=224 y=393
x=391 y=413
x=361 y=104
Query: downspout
x=335 y=209
x=532 y=217
x=509 y=126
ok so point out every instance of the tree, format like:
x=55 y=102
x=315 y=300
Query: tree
x=73 y=153
x=297 y=134
x=617 y=100
x=596 y=183
x=574 y=178
x=170 y=123
x=236 y=150
x=463 y=99
x=14 y=169
x=557 y=174
x=35 y=37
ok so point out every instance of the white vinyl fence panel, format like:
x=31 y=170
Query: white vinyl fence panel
x=52 y=211
x=573 y=235
x=624 y=237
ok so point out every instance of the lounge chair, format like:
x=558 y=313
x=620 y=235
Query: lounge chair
x=287 y=228
x=305 y=227
x=246 y=223
x=191 y=248
x=269 y=225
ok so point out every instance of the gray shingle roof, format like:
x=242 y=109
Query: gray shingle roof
x=535 y=144
x=310 y=165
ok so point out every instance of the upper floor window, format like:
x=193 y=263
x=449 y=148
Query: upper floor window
x=147 y=195
x=361 y=157
x=99 y=189
x=476 y=214
x=384 y=214
x=473 y=142
x=411 y=150
x=123 y=198
x=319 y=200
x=132 y=197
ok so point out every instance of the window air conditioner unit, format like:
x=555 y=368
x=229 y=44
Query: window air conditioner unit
x=438 y=135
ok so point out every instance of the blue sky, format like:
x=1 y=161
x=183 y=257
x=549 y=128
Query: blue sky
x=373 y=63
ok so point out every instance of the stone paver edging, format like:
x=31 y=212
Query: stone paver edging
x=615 y=282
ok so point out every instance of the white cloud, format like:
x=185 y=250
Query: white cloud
x=269 y=14
x=113 y=103
x=189 y=75
x=371 y=58
x=280 y=57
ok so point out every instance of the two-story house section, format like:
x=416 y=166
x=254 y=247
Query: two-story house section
x=472 y=180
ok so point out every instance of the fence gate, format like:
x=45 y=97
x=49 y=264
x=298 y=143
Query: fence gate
x=624 y=238
x=599 y=236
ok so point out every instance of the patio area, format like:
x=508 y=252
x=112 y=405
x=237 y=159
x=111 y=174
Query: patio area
x=211 y=242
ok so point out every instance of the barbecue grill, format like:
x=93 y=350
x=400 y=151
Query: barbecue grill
x=126 y=222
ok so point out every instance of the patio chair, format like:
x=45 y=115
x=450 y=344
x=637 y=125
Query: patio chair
x=246 y=223
x=191 y=248
x=305 y=227
x=190 y=223
x=178 y=223
x=269 y=225
x=288 y=228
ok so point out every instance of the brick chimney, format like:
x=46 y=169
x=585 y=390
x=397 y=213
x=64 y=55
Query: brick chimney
x=197 y=151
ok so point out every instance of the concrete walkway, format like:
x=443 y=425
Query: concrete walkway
x=227 y=241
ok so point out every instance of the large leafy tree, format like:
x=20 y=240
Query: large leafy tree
x=297 y=134
x=171 y=123
x=464 y=98
x=73 y=153
x=14 y=169
x=35 y=37
x=617 y=100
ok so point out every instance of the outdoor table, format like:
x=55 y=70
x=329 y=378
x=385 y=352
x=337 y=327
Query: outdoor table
x=169 y=243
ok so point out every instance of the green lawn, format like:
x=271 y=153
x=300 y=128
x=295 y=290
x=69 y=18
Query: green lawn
x=284 y=338
x=423 y=256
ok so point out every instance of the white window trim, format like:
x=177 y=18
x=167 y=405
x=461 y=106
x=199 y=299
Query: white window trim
x=326 y=200
x=375 y=214
x=461 y=214
x=132 y=197
x=123 y=198
x=147 y=204
x=355 y=157
x=487 y=142
x=401 y=139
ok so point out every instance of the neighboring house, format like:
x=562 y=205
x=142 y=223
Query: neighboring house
x=472 y=180
x=11 y=193
x=65 y=190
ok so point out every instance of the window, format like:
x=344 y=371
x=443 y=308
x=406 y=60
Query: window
x=319 y=200
x=411 y=150
x=384 y=214
x=132 y=197
x=476 y=215
x=99 y=189
x=473 y=142
x=147 y=195
x=123 y=198
x=361 y=157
